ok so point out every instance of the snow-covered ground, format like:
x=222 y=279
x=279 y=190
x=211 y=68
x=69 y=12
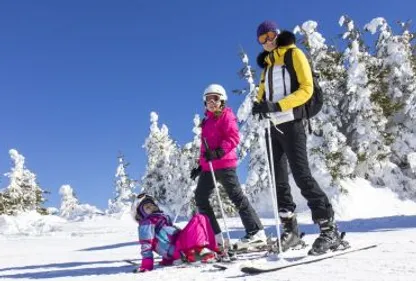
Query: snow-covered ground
x=51 y=248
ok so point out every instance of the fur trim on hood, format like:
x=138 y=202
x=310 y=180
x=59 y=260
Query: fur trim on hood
x=285 y=38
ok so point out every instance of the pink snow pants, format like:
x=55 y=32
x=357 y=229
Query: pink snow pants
x=197 y=233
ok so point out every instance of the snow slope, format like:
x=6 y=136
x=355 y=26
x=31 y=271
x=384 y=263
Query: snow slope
x=50 y=248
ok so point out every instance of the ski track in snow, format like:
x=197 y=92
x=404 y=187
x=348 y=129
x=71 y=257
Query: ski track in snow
x=95 y=250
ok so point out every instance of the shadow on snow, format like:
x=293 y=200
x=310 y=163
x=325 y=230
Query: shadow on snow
x=75 y=272
x=382 y=224
x=60 y=265
x=109 y=247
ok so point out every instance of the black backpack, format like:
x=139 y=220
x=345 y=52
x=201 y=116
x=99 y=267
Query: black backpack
x=314 y=105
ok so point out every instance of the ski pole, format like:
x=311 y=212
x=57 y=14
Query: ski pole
x=267 y=116
x=217 y=191
x=272 y=183
x=187 y=202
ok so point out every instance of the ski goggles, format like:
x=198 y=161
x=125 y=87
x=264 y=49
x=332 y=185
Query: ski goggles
x=141 y=206
x=269 y=36
x=212 y=98
x=143 y=196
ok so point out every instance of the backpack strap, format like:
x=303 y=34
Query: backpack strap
x=288 y=61
x=262 y=81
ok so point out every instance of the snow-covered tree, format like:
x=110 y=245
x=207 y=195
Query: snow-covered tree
x=252 y=137
x=5 y=204
x=328 y=149
x=69 y=201
x=182 y=186
x=397 y=89
x=124 y=185
x=363 y=120
x=70 y=207
x=160 y=168
x=23 y=193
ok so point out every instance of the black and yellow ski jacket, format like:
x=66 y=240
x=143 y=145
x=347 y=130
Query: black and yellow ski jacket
x=290 y=89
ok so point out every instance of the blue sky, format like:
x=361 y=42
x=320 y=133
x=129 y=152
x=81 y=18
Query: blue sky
x=78 y=79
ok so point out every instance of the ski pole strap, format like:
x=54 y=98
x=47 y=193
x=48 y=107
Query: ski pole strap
x=206 y=144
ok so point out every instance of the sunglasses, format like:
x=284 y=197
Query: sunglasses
x=269 y=36
x=212 y=98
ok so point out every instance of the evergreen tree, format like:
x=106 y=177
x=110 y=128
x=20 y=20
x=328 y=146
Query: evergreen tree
x=397 y=96
x=5 y=204
x=252 y=137
x=71 y=209
x=182 y=187
x=23 y=193
x=160 y=170
x=124 y=194
x=364 y=123
x=327 y=145
x=227 y=205
x=69 y=201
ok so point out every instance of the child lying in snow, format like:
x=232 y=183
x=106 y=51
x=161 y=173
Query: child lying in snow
x=156 y=233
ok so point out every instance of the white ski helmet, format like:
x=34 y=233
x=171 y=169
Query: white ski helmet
x=215 y=89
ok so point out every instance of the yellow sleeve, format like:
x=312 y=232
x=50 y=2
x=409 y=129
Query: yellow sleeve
x=304 y=76
x=260 y=92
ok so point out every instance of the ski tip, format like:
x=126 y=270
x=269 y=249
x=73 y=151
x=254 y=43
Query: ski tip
x=250 y=270
x=220 y=267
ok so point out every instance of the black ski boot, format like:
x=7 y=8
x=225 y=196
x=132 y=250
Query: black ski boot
x=290 y=237
x=329 y=239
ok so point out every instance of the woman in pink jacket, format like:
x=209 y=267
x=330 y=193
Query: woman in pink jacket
x=220 y=131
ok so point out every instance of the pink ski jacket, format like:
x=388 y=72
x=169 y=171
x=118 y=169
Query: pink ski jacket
x=220 y=132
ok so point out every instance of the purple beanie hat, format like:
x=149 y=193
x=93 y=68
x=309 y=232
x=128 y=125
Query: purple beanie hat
x=265 y=27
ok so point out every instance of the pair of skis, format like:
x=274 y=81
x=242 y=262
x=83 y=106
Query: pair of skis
x=181 y=265
x=218 y=265
x=256 y=269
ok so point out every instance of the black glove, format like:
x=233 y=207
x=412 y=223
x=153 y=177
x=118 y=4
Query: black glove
x=195 y=172
x=214 y=154
x=265 y=107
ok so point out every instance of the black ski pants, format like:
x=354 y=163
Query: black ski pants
x=229 y=180
x=291 y=147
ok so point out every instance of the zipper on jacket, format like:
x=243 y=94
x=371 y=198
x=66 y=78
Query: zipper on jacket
x=284 y=80
x=270 y=76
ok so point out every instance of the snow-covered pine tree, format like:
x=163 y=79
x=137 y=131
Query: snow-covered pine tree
x=69 y=201
x=160 y=170
x=252 y=137
x=328 y=150
x=5 y=203
x=23 y=193
x=363 y=121
x=124 y=193
x=70 y=207
x=397 y=96
x=182 y=188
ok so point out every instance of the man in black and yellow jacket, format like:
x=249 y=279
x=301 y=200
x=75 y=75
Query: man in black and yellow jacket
x=282 y=94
